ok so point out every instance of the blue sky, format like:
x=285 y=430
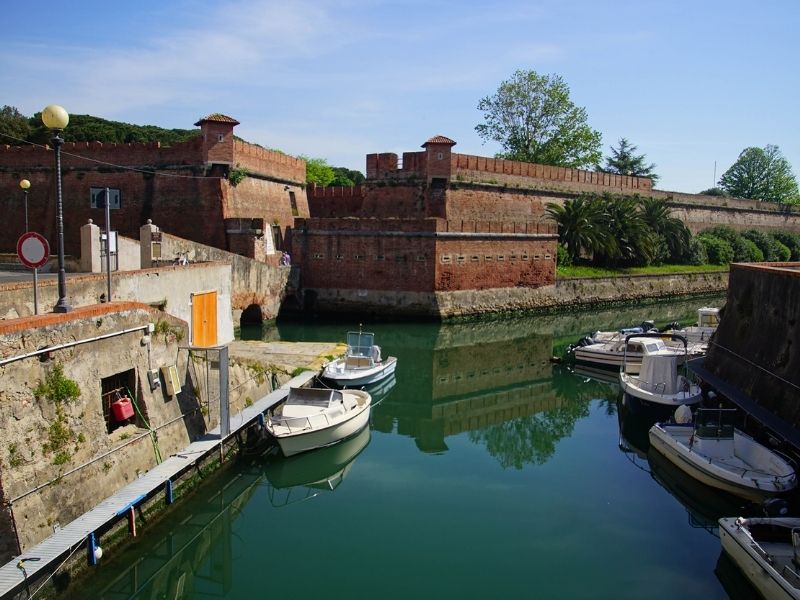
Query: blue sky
x=688 y=82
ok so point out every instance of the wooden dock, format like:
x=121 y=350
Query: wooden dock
x=47 y=556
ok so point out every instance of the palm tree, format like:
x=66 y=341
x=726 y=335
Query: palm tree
x=580 y=225
x=633 y=240
x=675 y=234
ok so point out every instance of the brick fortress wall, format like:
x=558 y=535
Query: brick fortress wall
x=182 y=187
x=410 y=227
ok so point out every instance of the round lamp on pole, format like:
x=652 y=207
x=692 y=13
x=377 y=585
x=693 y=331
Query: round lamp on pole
x=56 y=118
x=25 y=185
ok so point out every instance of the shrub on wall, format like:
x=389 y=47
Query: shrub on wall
x=237 y=174
x=782 y=252
x=754 y=252
x=718 y=250
x=764 y=241
x=791 y=241
x=741 y=251
x=696 y=253
x=564 y=259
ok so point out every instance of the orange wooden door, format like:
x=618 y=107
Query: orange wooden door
x=204 y=319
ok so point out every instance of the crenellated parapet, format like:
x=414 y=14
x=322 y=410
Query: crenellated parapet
x=89 y=154
x=269 y=163
x=469 y=167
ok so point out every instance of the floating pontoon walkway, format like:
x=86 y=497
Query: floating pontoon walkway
x=747 y=404
x=47 y=556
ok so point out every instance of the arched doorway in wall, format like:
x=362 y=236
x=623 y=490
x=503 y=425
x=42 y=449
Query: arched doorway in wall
x=251 y=322
x=252 y=315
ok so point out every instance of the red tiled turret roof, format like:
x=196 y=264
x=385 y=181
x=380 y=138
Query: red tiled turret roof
x=439 y=139
x=219 y=118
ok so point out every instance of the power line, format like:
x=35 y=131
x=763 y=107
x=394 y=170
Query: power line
x=757 y=366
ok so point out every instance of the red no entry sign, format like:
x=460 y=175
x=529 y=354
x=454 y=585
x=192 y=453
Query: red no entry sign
x=33 y=250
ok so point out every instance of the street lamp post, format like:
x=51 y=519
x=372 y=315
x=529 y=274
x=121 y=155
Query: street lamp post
x=25 y=185
x=56 y=118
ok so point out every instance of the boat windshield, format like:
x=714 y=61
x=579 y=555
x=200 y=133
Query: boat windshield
x=715 y=423
x=360 y=343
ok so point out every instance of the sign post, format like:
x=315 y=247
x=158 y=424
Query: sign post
x=107 y=203
x=33 y=251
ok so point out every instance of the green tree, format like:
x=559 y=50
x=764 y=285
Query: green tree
x=532 y=117
x=672 y=230
x=347 y=177
x=761 y=174
x=14 y=126
x=318 y=171
x=714 y=191
x=625 y=161
x=581 y=226
x=634 y=242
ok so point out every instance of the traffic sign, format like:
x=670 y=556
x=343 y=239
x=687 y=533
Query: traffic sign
x=33 y=250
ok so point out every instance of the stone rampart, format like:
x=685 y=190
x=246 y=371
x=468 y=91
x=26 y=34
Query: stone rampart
x=755 y=348
x=565 y=294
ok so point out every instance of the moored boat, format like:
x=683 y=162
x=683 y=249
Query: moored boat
x=362 y=363
x=312 y=418
x=767 y=551
x=713 y=451
x=657 y=381
x=612 y=354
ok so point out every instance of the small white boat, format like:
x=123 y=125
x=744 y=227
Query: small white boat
x=362 y=363
x=612 y=354
x=712 y=451
x=767 y=551
x=657 y=381
x=312 y=418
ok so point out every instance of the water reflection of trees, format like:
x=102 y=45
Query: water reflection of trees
x=532 y=439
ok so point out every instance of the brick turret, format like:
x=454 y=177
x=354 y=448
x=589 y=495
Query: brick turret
x=217 y=131
x=437 y=157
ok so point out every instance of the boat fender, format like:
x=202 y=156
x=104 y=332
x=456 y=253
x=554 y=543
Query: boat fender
x=683 y=414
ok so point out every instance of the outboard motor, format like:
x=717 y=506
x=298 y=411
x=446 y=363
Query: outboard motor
x=584 y=341
x=648 y=326
x=775 y=507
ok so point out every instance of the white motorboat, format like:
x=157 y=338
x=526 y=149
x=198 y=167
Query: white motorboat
x=657 y=381
x=614 y=353
x=713 y=451
x=767 y=551
x=362 y=363
x=312 y=418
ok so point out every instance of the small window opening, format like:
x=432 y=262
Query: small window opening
x=120 y=402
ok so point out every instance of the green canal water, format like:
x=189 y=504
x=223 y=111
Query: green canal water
x=487 y=472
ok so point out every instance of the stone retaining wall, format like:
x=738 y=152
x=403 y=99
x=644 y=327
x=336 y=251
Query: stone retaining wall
x=565 y=294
